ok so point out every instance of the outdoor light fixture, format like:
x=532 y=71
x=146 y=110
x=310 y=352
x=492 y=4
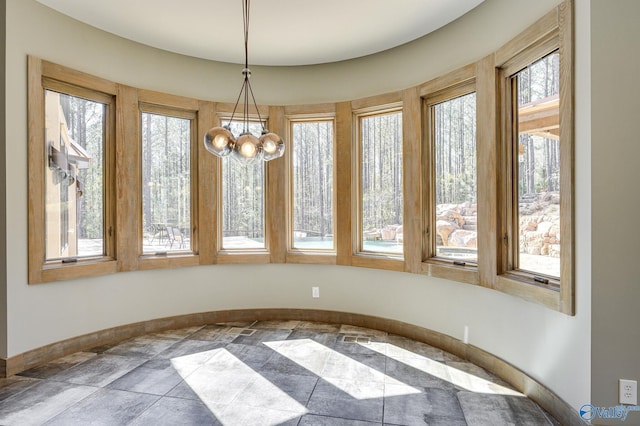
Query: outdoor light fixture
x=247 y=148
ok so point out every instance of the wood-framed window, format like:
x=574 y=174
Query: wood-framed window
x=168 y=154
x=451 y=185
x=451 y=190
x=379 y=171
x=243 y=194
x=312 y=177
x=535 y=259
x=72 y=173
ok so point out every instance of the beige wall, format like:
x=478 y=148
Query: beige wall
x=615 y=68
x=549 y=346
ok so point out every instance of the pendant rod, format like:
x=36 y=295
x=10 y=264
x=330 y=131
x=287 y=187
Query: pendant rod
x=221 y=142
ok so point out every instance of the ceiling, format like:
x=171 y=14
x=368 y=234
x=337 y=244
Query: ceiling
x=281 y=32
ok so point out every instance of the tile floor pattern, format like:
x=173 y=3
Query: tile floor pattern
x=264 y=373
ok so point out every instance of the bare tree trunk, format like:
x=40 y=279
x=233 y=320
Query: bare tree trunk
x=320 y=158
x=531 y=168
x=146 y=172
x=81 y=139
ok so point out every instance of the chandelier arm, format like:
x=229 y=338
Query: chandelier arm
x=233 y=114
x=256 y=105
x=246 y=105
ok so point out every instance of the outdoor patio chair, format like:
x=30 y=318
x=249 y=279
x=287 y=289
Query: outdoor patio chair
x=175 y=236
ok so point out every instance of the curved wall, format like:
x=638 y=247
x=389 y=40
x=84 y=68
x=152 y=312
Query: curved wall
x=545 y=344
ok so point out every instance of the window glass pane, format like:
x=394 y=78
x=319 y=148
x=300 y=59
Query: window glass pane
x=381 y=182
x=454 y=127
x=74 y=142
x=166 y=192
x=242 y=198
x=538 y=166
x=312 y=147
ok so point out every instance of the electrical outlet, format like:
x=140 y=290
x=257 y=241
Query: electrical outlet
x=315 y=292
x=628 y=392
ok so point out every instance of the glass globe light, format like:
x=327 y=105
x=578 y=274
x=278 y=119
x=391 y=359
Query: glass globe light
x=219 y=141
x=247 y=148
x=272 y=146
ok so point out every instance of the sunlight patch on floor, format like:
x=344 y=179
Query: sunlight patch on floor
x=342 y=371
x=221 y=384
x=442 y=371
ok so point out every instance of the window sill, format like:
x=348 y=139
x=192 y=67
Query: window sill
x=378 y=261
x=443 y=269
x=243 y=257
x=313 y=257
x=65 y=271
x=170 y=260
x=528 y=289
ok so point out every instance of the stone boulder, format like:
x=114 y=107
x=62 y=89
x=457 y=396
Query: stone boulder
x=540 y=235
x=443 y=230
x=463 y=238
x=451 y=216
x=544 y=227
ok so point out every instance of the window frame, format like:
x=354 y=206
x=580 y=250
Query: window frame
x=454 y=84
x=553 y=32
x=242 y=256
x=372 y=107
x=43 y=76
x=146 y=105
x=439 y=266
x=298 y=255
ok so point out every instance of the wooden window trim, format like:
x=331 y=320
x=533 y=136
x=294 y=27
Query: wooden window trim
x=412 y=183
x=179 y=107
x=343 y=228
x=310 y=257
x=243 y=257
x=552 y=32
x=275 y=180
x=459 y=83
x=377 y=103
x=208 y=170
x=127 y=174
x=43 y=75
x=297 y=255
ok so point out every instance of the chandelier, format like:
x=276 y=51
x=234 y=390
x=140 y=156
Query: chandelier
x=246 y=147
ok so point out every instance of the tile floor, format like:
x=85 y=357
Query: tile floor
x=264 y=373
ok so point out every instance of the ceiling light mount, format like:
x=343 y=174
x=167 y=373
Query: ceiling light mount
x=247 y=148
